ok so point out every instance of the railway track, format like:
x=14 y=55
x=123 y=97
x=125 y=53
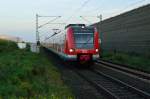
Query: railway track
x=102 y=84
x=79 y=87
x=139 y=74
x=111 y=87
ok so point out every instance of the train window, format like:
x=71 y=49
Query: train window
x=84 y=40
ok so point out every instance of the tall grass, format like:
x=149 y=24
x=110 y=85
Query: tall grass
x=25 y=75
x=7 y=46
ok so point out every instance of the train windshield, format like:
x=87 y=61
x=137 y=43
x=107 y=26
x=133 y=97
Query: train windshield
x=84 y=38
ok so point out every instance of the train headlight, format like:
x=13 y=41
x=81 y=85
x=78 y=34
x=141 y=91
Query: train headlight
x=83 y=27
x=96 y=50
x=71 y=50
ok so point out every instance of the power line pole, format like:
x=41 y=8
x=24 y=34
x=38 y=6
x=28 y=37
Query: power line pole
x=100 y=21
x=100 y=30
x=40 y=26
x=100 y=25
x=37 y=31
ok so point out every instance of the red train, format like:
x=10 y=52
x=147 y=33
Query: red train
x=76 y=43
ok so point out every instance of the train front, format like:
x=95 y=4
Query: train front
x=84 y=43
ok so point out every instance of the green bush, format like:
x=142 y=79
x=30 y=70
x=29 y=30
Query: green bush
x=133 y=60
x=28 y=75
x=6 y=46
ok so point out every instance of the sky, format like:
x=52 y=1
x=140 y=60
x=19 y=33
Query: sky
x=17 y=17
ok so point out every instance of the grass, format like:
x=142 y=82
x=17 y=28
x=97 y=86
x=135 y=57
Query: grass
x=131 y=59
x=27 y=75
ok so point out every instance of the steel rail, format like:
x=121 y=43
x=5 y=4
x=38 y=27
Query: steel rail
x=98 y=87
x=111 y=94
x=138 y=91
x=141 y=75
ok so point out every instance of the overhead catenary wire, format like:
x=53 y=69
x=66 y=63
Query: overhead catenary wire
x=88 y=21
x=82 y=17
x=78 y=10
x=121 y=10
x=40 y=26
x=49 y=22
x=127 y=7
x=132 y=4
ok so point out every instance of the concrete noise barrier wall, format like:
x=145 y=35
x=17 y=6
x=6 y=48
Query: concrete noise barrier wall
x=128 y=32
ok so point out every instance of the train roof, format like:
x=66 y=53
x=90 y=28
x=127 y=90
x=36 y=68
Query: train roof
x=74 y=25
x=79 y=26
